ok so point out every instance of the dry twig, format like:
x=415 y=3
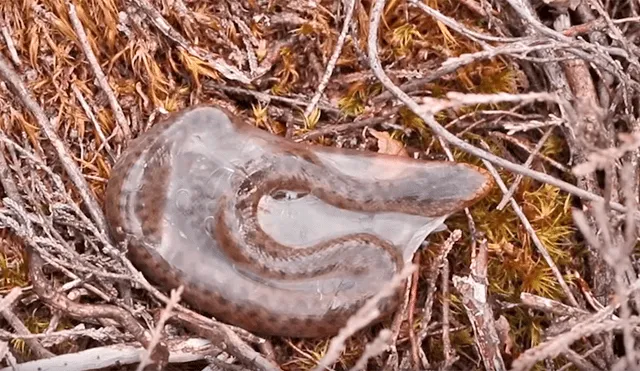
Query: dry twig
x=427 y=116
x=367 y=313
x=100 y=76
x=8 y=74
x=474 y=297
x=157 y=332
x=350 y=6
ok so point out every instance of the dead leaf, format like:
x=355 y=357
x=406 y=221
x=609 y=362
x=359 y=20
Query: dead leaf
x=388 y=145
x=502 y=327
x=262 y=50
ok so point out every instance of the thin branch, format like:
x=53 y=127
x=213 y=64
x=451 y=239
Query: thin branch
x=6 y=33
x=157 y=332
x=5 y=310
x=527 y=163
x=377 y=346
x=534 y=236
x=8 y=74
x=429 y=119
x=474 y=298
x=118 y=355
x=97 y=70
x=367 y=313
x=220 y=65
x=334 y=58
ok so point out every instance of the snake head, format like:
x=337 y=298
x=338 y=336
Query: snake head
x=378 y=182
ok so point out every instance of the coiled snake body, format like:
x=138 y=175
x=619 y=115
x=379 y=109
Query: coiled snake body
x=186 y=194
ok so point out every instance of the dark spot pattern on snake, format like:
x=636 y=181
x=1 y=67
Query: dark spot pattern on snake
x=186 y=195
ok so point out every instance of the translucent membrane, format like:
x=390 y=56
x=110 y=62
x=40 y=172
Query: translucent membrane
x=277 y=237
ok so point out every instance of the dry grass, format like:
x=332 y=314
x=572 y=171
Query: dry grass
x=226 y=52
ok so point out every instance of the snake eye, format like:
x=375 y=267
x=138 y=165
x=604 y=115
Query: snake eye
x=279 y=195
x=287 y=195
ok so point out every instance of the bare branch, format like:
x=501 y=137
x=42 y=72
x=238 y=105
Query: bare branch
x=429 y=119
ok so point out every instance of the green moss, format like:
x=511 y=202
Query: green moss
x=13 y=271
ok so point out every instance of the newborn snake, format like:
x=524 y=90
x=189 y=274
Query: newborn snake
x=185 y=197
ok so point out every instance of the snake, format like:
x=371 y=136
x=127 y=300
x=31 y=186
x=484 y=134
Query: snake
x=185 y=196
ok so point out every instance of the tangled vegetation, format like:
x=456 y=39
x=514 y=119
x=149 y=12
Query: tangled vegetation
x=266 y=60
